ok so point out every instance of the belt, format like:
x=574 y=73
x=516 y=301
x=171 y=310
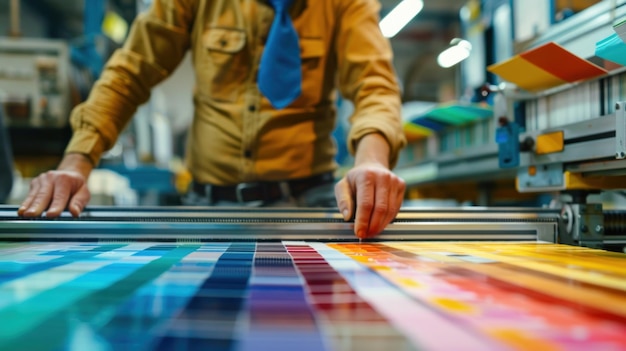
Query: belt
x=261 y=191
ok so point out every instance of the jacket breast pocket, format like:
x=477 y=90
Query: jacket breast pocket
x=224 y=64
x=313 y=63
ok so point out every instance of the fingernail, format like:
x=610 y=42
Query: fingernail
x=360 y=234
x=345 y=214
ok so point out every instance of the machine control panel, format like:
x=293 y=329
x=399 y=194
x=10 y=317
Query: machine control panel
x=34 y=82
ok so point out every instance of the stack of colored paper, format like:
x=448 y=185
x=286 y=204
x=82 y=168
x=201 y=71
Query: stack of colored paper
x=544 y=67
x=442 y=116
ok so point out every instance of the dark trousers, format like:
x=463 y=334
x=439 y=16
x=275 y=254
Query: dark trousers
x=318 y=196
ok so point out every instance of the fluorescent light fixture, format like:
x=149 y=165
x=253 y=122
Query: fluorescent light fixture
x=400 y=16
x=458 y=51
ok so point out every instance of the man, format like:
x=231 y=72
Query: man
x=248 y=137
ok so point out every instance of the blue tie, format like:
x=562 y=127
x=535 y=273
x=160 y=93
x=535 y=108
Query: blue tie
x=280 y=71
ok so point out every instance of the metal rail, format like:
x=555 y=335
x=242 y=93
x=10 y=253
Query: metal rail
x=215 y=223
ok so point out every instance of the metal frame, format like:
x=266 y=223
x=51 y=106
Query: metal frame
x=482 y=162
x=206 y=224
x=580 y=33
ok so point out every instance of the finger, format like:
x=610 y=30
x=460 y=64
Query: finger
x=364 y=203
x=34 y=189
x=60 y=198
x=41 y=199
x=396 y=196
x=79 y=200
x=400 y=196
x=345 y=201
x=378 y=219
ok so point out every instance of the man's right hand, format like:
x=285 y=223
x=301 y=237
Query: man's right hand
x=54 y=191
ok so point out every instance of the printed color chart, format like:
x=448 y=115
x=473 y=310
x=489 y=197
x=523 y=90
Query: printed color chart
x=297 y=295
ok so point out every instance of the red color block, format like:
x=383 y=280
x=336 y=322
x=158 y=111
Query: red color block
x=555 y=59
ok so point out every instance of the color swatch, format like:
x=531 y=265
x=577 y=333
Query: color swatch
x=299 y=295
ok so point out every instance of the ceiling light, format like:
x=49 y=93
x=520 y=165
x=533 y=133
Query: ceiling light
x=458 y=51
x=402 y=14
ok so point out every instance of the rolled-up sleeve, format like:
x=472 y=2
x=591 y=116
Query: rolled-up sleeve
x=367 y=77
x=157 y=43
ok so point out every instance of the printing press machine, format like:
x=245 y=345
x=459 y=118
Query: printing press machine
x=596 y=229
x=566 y=139
x=193 y=278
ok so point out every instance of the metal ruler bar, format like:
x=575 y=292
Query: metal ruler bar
x=9 y=230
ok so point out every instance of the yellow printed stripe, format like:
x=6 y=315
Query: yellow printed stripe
x=587 y=277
